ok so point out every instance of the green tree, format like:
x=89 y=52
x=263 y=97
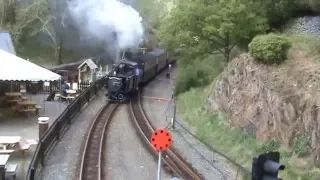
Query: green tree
x=200 y=27
x=53 y=23
x=233 y=21
x=21 y=19
x=276 y=11
x=7 y=13
x=152 y=11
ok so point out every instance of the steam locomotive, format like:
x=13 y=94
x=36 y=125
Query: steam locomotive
x=133 y=71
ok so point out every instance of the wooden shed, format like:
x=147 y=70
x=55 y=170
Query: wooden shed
x=87 y=71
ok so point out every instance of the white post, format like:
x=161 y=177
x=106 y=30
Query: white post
x=159 y=166
x=79 y=75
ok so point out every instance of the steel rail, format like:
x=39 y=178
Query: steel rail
x=171 y=157
x=91 y=162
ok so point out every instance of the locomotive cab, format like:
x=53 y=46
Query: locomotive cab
x=123 y=80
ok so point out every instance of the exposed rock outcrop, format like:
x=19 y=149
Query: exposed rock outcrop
x=272 y=101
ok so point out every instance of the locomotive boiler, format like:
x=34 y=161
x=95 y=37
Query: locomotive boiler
x=133 y=71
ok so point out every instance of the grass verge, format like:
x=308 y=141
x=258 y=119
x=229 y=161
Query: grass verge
x=308 y=43
x=214 y=130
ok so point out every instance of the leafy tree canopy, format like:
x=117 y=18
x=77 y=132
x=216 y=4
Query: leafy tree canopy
x=199 y=27
x=276 y=11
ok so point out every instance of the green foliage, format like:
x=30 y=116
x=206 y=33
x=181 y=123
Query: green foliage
x=8 y=12
x=25 y=19
x=200 y=27
x=271 y=145
x=152 y=11
x=309 y=43
x=269 y=48
x=198 y=73
x=301 y=145
x=275 y=11
x=215 y=131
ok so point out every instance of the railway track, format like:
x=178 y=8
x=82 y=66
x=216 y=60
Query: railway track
x=173 y=163
x=91 y=162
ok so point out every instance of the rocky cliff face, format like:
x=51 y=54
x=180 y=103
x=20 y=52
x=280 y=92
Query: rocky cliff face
x=272 y=101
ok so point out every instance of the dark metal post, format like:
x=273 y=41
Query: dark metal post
x=58 y=130
x=69 y=115
x=174 y=99
x=41 y=153
x=32 y=173
x=79 y=104
x=50 y=87
x=174 y=112
x=88 y=95
x=2 y=172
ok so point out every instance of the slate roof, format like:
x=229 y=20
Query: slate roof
x=90 y=63
x=6 y=42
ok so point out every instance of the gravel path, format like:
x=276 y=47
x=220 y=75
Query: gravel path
x=126 y=157
x=207 y=163
x=62 y=162
x=308 y=25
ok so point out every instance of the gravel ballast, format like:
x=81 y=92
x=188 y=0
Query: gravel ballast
x=62 y=162
x=307 y=25
x=209 y=164
x=126 y=156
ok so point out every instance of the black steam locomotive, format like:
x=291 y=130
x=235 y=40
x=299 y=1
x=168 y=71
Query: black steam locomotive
x=133 y=71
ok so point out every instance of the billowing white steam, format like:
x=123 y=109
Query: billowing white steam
x=100 y=19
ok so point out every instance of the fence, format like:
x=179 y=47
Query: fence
x=39 y=87
x=54 y=132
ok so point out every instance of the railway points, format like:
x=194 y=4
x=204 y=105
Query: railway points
x=208 y=163
x=157 y=98
x=173 y=162
x=161 y=140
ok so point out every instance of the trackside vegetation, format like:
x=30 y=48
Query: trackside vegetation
x=206 y=34
x=270 y=49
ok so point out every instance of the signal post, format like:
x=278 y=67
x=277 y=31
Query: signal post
x=161 y=140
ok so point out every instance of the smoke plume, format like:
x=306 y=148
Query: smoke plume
x=108 y=21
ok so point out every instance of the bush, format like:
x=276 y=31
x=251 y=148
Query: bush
x=269 y=146
x=270 y=49
x=198 y=73
x=301 y=145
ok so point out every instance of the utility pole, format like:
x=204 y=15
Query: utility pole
x=173 y=98
x=174 y=110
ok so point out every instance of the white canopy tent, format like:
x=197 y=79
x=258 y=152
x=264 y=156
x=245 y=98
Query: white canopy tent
x=14 y=68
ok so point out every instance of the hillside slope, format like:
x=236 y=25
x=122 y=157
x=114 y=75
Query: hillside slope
x=273 y=102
